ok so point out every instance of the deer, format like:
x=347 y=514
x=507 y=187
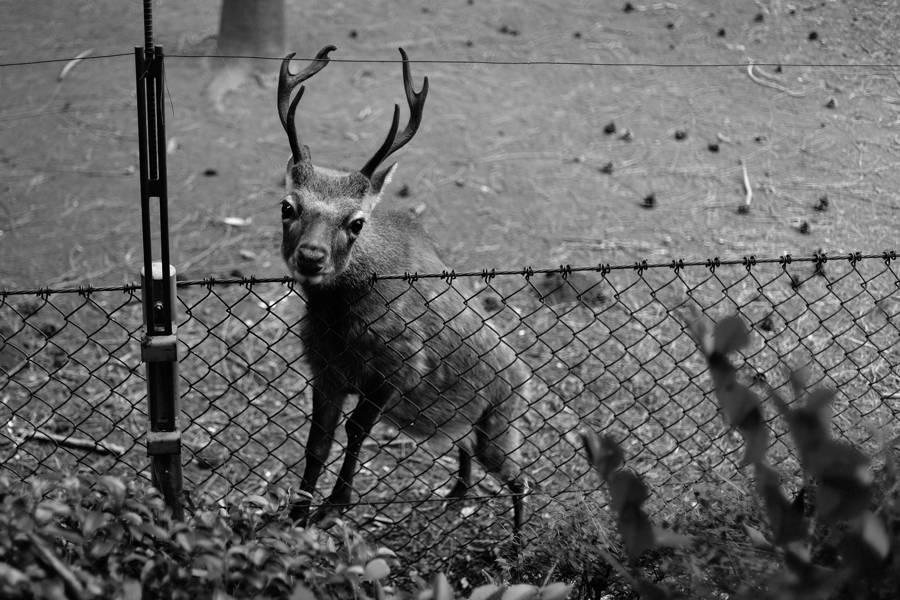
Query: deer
x=417 y=356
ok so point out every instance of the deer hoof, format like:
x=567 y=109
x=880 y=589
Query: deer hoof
x=300 y=513
x=459 y=491
x=325 y=516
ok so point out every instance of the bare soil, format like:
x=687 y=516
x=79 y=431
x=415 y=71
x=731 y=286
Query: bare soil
x=511 y=166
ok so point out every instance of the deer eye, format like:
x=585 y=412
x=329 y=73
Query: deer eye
x=287 y=210
x=356 y=226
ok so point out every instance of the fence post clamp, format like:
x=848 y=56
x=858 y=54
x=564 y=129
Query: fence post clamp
x=159 y=348
x=163 y=442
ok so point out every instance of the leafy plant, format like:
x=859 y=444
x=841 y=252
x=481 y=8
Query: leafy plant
x=628 y=492
x=102 y=537
x=838 y=537
x=841 y=518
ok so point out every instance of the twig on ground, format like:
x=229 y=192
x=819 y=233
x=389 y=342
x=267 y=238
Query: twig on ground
x=769 y=76
x=779 y=87
x=77 y=443
x=657 y=6
x=71 y=64
x=747 y=188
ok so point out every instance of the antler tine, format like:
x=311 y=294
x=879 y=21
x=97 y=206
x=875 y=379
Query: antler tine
x=291 y=128
x=386 y=146
x=287 y=81
x=416 y=103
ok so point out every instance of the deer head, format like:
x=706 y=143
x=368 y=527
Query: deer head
x=325 y=210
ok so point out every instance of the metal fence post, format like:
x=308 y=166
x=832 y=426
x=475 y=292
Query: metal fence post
x=159 y=349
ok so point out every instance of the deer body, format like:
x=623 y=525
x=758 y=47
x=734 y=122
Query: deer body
x=417 y=355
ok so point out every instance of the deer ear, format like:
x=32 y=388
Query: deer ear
x=382 y=178
x=287 y=175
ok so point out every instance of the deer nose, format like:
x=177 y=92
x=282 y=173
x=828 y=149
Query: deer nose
x=311 y=258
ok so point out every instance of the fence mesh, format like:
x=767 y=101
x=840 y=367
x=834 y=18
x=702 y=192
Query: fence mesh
x=607 y=348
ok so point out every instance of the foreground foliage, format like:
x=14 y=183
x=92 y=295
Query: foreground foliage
x=837 y=537
x=79 y=537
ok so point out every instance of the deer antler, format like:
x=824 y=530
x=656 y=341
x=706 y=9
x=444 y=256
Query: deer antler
x=416 y=104
x=287 y=81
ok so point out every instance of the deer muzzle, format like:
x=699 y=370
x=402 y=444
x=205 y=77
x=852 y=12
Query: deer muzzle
x=311 y=260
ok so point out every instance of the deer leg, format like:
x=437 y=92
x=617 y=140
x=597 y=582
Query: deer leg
x=498 y=461
x=464 y=476
x=326 y=412
x=359 y=424
x=497 y=451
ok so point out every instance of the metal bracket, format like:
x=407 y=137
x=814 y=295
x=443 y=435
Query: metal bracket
x=163 y=442
x=159 y=348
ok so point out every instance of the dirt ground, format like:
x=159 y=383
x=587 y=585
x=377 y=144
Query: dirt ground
x=515 y=164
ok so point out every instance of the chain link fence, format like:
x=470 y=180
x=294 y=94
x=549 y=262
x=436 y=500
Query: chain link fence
x=608 y=348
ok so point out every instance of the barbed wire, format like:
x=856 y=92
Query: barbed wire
x=447 y=61
x=748 y=262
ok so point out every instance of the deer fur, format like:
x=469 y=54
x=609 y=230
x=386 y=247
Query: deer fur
x=415 y=354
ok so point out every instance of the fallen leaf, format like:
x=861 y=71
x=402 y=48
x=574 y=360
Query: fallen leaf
x=237 y=221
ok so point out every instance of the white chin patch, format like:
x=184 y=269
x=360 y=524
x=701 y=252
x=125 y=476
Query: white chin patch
x=306 y=279
x=315 y=280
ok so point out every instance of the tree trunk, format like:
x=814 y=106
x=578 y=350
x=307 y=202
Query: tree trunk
x=252 y=28
x=246 y=28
